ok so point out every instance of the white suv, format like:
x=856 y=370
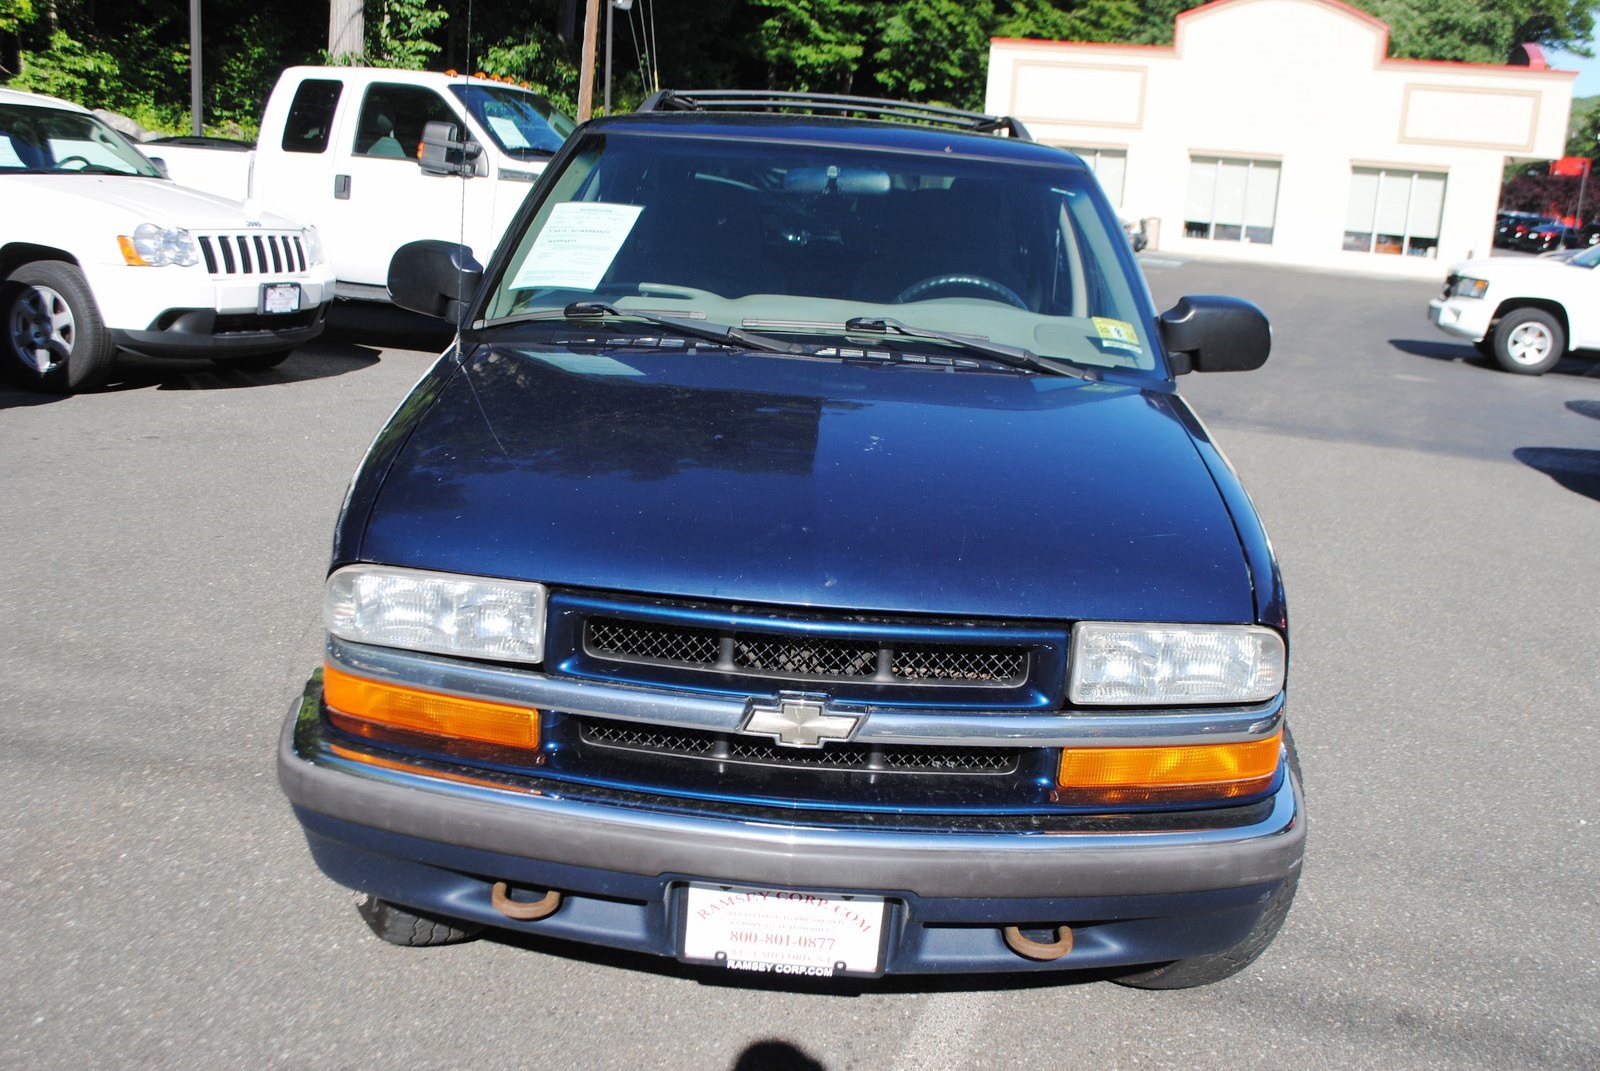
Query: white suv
x=102 y=252
x=1525 y=312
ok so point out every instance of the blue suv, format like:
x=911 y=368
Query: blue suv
x=803 y=563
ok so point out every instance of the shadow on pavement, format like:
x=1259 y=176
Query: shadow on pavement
x=1468 y=354
x=1585 y=407
x=1576 y=470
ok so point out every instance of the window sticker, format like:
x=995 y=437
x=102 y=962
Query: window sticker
x=1117 y=334
x=509 y=133
x=578 y=243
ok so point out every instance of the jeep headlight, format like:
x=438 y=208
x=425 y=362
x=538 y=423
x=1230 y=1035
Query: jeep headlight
x=1126 y=664
x=313 y=244
x=1468 y=287
x=155 y=246
x=445 y=613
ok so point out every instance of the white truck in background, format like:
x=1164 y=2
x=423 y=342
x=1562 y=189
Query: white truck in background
x=376 y=158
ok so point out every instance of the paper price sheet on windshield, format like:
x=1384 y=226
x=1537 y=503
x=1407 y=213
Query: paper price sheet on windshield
x=578 y=243
x=783 y=932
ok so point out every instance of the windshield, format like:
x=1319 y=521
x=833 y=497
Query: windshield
x=521 y=123
x=1589 y=258
x=53 y=140
x=801 y=238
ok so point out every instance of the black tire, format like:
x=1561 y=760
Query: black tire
x=253 y=362
x=409 y=929
x=55 y=340
x=1203 y=970
x=1528 y=342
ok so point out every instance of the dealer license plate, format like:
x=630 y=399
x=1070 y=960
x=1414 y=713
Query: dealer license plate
x=781 y=932
x=280 y=297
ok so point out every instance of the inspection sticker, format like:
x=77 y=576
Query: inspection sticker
x=1117 y=334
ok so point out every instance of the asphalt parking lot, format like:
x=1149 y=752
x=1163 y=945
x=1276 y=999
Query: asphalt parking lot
x=164 y=543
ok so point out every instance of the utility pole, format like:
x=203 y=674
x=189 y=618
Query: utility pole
x=591 y=28
x=196 y=97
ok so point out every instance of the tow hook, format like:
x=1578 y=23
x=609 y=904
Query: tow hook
x=1039 y=950
x=523 y=911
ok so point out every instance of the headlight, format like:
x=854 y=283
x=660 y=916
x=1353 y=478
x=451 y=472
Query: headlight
x=440 y=612
x=313 y=242
x=1466 y=286
x=1164 y=665
x=153 y=246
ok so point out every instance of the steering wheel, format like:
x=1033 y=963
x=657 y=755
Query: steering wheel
x=61 y=164
x=986 y=286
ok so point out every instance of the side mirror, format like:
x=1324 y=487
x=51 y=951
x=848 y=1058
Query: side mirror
x=446 y=152
x=434 y=278
x=160 y=165
x=1206 y=333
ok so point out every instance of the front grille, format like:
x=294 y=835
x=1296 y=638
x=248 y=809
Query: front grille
x=257 y=253
x=733 y=747
x=805 y=657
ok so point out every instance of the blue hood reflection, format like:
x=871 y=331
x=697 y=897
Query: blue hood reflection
x=808 y=482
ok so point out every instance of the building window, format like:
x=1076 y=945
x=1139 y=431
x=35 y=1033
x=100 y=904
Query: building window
x=1109 y=166
x=1394 y=212
x=1231 y=200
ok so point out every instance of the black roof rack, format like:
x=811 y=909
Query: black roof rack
x=753 y=100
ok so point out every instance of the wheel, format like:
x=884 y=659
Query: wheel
x=1203 y=970
x=982 y=283
x=400 y=926
x=1528 y=342
x=253 y=362
x=55 y=340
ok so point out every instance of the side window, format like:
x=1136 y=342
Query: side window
x=310 y=123
x=392 y=118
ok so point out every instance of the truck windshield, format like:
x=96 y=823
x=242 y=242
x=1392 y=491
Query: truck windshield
x=779 y=236
x=56 y=141
x=521 y=123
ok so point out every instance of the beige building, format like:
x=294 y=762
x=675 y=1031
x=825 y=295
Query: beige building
x=1279 y=130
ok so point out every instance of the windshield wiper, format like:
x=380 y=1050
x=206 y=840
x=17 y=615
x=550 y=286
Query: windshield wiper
x=710 y=332
x=1012 y=356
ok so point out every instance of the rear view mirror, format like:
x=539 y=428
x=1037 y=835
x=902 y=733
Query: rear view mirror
x=446 y=152
x=434 y=278
x=1206 y=333
x=855 y=181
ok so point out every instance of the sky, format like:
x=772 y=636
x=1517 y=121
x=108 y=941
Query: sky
x=1588 y=83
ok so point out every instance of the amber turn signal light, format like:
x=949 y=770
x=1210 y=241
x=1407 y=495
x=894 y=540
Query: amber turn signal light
x=1186 y=774
x=383 y=705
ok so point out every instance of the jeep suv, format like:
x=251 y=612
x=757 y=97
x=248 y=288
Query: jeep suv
x=802 y=563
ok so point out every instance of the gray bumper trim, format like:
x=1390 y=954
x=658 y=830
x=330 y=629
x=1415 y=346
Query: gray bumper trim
x=528 y=825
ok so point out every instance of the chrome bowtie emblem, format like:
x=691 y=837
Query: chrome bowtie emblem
x=798 y=720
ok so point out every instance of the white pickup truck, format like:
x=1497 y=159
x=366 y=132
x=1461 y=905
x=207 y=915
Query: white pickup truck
x=377 y=158
x=99 y=252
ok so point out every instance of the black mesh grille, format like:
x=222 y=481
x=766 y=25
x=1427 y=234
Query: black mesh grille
x=800 y=657
x=732 y=747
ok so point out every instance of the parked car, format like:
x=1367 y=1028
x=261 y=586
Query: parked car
x=99 y=252
x=803 y=563
x=1539 y=235
x=1581 y=237
x=1525 y=313
x=377 y=158
x=1511 y=228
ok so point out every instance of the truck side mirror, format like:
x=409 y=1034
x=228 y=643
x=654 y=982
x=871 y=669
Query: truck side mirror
x=446 y=152
x=1207 y=333
x=434 y=278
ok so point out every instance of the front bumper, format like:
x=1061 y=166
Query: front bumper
x=437 y=842
x=1468 y=318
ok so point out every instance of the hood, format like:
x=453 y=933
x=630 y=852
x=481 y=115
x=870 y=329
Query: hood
x=808 y=482
x=1503 y=268
x=122 y=202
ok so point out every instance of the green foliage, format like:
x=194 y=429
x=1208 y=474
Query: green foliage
x=1583 y=129
x=539 y=58
x=398 y=32
x=1481 y=31
x=812 y=44
x=935 y=51
x=13 y=13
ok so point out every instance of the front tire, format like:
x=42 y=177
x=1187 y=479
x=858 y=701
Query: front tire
x=400 y=926
x=1529 y=342
x=55 y=340
x=1203 y=970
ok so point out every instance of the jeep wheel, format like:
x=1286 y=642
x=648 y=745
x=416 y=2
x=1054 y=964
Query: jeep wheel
x=1529 y=342
x=1203 y=970
x=55 y=340
x=399 y=926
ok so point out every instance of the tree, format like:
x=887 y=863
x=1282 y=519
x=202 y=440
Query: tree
x=347 y=37
x=812 y=44
x=1481 y=31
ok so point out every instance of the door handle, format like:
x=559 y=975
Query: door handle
x=341 y=187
